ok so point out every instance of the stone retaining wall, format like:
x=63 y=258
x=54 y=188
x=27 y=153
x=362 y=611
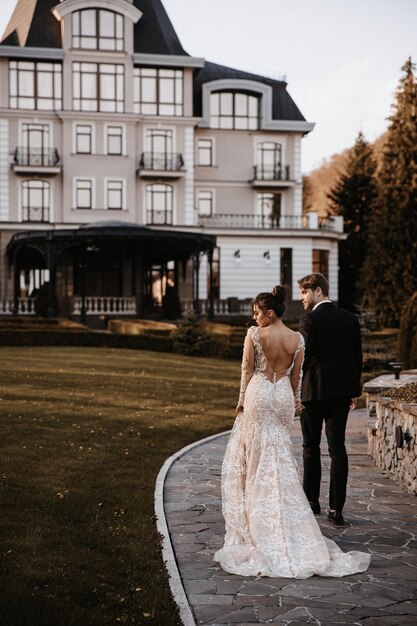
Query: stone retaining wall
x=382 y=443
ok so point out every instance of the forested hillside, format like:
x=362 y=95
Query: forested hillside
x=319 y=182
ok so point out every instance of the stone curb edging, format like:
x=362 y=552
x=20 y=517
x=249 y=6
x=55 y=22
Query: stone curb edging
x=175 y=582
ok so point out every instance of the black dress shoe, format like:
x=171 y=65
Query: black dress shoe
x=336 y=517
x=315 y=507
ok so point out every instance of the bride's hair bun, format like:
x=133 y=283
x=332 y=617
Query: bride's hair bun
x=279 y=292
x=272 y=300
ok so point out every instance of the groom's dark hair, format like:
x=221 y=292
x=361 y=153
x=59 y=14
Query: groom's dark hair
x=312 y=281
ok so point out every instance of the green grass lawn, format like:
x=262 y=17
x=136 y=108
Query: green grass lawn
x=84 y=434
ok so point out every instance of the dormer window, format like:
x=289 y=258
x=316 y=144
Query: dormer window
x=234 y=110
x=97 y=29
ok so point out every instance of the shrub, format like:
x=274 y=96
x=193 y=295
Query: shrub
x=190 y=338
x=83 y=338
x=408 y=333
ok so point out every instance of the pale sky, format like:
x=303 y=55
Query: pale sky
x=342 y=59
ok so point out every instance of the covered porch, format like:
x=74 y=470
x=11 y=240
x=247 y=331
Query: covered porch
x=108 y=269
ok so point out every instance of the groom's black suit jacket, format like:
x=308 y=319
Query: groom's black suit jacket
x=333 y=355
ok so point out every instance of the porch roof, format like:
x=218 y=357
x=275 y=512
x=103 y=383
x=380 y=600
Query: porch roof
x=156 y=245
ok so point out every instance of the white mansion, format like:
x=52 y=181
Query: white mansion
x=128 y=166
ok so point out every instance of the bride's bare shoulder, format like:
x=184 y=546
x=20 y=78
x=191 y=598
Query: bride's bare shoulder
x=292 y=336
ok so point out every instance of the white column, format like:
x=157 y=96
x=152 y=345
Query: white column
x=4 y=170
x=298 y=189
x=189 y=176
x=334 y=271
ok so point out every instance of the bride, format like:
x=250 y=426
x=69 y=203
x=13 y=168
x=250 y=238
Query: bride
x=270 y=527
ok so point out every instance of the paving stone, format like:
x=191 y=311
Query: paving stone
x=382 y=518
x=193 y=587
x=394 y=620
x=228 y=586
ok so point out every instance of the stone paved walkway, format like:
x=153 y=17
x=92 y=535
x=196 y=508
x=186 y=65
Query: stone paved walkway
x=381 y=518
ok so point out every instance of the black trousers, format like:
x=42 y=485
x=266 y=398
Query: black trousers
x=334 y=413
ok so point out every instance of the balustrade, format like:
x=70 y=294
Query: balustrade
x=25 y=306
x=105 y=305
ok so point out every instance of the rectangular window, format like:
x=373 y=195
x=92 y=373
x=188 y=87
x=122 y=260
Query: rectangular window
x=35 y=85
x=84 y=194
x=205 y=203
x=114 y=194
x=83 y=139
x=286 y=269
x=205 y=152
x=98 y=87
x=321 y=262
x=158 y=91
x=114 y=140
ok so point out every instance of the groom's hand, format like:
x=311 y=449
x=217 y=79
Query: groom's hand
x=239 y=409
x=352 y=404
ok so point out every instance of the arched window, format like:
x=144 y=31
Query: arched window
x=97 y=29
x=36 y=196
x=234 y=110
x=269 y=161
x=159 y=204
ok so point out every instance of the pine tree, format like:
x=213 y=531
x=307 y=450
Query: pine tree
x=354 y=196
x=390 y=269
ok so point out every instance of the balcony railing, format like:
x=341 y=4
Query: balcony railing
x=38 y=214
x=154 y=217
x=311 y=221
x=277 y=173
x=36 y=157
x=224 y=220
x=161 y=161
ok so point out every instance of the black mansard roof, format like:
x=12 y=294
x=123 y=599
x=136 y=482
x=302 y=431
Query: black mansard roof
x=154 y=33
x=283 y=106
x=33 y=25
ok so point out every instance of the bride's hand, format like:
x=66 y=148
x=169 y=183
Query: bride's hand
x=239 y=409
x=298 y=406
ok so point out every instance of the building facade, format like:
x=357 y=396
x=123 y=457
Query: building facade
x=105 y=121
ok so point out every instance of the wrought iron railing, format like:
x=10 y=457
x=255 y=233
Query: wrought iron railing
x=161 y=161
x=38 y=214
x=36 y=157
x=264 y=172
x=160 y=217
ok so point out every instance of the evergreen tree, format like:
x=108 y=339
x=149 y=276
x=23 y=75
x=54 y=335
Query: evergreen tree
x=190 y=338
x=390 y=269
x=354 y=196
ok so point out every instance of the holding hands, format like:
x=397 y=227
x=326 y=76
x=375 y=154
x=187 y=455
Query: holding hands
x=298 y=406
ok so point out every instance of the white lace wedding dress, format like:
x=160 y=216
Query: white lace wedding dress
x=270 y=527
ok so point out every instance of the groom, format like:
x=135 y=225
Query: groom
x=331 y=381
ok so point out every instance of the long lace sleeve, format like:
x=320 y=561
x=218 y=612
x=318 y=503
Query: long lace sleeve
x=296 y=375
x=248 y=364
